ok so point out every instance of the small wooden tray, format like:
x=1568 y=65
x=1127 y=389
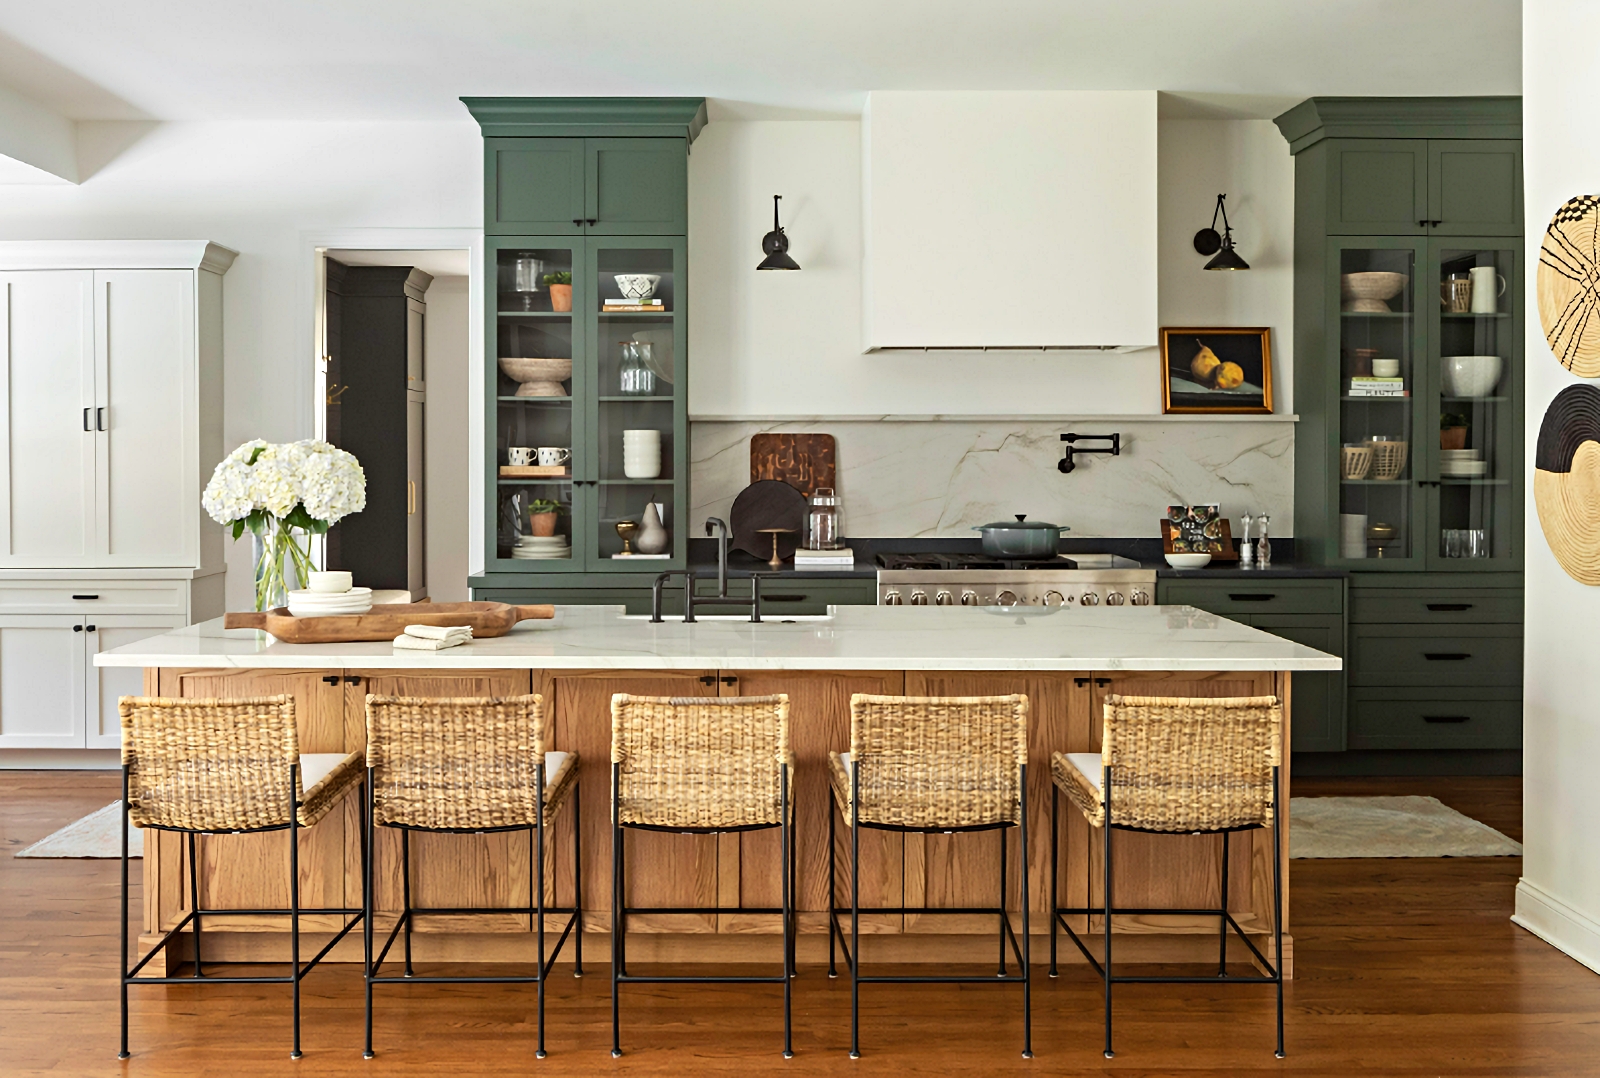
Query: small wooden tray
x=1229 y=552
x=386 y=621
x=534 y=471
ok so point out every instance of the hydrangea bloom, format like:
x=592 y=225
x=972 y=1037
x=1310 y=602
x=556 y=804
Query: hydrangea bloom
x=260 y=477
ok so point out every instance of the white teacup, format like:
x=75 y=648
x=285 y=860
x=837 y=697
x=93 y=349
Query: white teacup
x=552 y=455
x=330 y=582
x=519 y=456
x=1385 y=368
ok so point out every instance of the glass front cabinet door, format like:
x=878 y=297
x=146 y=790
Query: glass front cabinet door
x=588 y=404
x=1429 y=389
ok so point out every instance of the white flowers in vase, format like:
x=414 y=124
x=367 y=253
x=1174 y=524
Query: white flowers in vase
x=278 y=490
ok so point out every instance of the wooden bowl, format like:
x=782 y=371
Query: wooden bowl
x=1369 y=292
x=1355 y=461
x=538 y=376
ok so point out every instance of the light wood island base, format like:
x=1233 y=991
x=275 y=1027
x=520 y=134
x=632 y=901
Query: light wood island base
x=247 y=871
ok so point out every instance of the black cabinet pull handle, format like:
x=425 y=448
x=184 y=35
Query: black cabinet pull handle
x=577 y=220
x=1422 y=223
x=783 y=598
x=99 y=419
x=708 y=679
x=1435 y=224
x=352 y=681
x=1252 y=596
x=88 y=628
x=1448 y=607
x=592 y=220
x=1446 y=718
x=1446 y=656
x=77 y=628
x=86 y=596
x=1081 y=682
x=331 y=679
x=86 y=425
x=1102 y=681
x=729 y=680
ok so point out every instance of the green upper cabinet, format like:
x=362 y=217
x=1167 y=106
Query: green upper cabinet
x=1475 y=187
x=1378 y=187
x=636 y=187
x=536 y=186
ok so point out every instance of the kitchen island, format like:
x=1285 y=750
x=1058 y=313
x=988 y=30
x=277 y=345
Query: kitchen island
x=1066 y=660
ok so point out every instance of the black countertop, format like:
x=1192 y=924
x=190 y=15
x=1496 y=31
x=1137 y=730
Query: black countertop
x=1147 y=552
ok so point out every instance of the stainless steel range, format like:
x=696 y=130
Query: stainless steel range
x=978 y=580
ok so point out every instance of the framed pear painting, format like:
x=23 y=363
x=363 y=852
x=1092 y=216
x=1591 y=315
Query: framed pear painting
x=1216 y=371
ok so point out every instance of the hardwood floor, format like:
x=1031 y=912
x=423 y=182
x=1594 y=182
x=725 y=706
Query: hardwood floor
x=1405 y=967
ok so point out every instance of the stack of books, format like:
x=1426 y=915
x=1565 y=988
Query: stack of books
x=826 y=560
x=625 y=304
x=1379 y=387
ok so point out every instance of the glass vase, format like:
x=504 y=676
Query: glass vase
x=281 y=563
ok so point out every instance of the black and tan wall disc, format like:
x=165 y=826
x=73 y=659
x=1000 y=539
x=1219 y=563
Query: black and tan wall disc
x=1569 y=285
x=1566 y=481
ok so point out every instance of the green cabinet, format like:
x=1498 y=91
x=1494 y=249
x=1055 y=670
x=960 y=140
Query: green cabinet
x=586 y=343
x=1309 y=612
x=1475 y=187
x=1377 y=187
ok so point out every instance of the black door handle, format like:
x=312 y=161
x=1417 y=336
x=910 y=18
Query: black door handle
x=331 y=679
x=77 y=628
x=1445 y=656
x=88 y=628
x=783 y=598
x=592 y=220
x=1446 y=718
x=99 y=419
x=1252 y=596
x=708 y=679
x=352 y=681
x=86 y=596
x=86 y=425
x=1448 y=607
x=577 y=220
x=729 y=680
x=1422 y=223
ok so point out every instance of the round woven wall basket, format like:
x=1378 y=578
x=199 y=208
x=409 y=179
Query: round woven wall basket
x=1566 y=481
x=1569 y=285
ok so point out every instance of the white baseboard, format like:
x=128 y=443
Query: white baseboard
x=1558 y=924
x=60 y=759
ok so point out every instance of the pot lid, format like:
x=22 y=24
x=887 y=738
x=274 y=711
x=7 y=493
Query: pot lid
x=1022 y=523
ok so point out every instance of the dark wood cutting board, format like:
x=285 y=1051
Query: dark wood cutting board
x=767 y=503
x=804 y=461
x=386 y=621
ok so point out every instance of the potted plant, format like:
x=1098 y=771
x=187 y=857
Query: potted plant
x=560 y=290
x=1452 y=431
x=542 y=513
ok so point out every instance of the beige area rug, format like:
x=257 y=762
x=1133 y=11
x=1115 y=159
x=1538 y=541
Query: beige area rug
x=93 y=836
x=1389 y=827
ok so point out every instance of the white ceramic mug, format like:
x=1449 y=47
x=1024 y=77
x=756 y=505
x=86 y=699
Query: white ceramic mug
x=519 y=456
x=1485 y=297
x=552 y=455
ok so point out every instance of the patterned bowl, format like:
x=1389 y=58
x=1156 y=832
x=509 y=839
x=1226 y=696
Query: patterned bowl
x=637 y=285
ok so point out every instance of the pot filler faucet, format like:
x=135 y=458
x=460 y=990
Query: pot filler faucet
x=1067 y=464
x=690 y=600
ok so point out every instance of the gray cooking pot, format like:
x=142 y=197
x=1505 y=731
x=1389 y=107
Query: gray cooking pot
x=1022 y=538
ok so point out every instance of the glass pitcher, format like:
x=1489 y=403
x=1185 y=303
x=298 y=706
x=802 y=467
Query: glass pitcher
x=637 y=379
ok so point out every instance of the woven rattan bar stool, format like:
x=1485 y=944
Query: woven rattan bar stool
x=468 y=766
x=207 y=767
x=931 y=765
x=699 y=765
x=1177 y=765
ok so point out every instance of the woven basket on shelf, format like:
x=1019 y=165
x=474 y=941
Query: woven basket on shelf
x=1355 y=461
x=1388 y=459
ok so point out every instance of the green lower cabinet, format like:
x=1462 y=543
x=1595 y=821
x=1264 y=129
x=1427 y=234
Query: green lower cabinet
x=1423 y=656
x=1435 y=719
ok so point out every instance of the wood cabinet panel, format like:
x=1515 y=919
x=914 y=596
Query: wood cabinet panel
x=662 y=869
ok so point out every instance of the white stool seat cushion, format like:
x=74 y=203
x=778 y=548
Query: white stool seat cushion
x=552 y=764
x=316 y=766
x=1089 y=765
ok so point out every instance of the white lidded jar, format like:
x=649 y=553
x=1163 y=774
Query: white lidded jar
x=823 y=521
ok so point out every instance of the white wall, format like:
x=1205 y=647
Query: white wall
x=1559 y=895
x=447 y=461
x=255 y=187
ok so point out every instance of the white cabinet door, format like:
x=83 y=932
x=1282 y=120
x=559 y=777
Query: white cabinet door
x=104 y=684
x=41 y=681
x=47 y=481
x=145 y=417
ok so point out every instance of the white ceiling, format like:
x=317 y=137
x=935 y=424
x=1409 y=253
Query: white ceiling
x=411 y=59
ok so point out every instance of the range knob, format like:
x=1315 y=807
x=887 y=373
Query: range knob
x=1006 y=598
x=969 y=598
x=1139 y=597
x=1115 y=598
x=919 y=598
x=1054 y=598
x=944 y=598
x=1090 y=599
x=891 y=598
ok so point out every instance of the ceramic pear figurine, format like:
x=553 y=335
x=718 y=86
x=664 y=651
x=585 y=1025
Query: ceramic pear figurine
x=652 y=537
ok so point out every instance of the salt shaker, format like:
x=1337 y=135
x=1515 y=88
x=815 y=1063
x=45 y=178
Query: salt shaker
x=1247 y=554
x=1263 y=545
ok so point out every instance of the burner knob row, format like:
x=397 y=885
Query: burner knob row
x=919 y=598
x=1115 y=598
x=944 y=598
x=969 y=598
x=1090 y=599
x=891 y=598
x=1140 y=597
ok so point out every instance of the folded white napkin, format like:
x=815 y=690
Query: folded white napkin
x=433 y=637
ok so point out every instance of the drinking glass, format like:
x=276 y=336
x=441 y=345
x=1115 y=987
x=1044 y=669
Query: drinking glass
x=1476 y=542
x=637 y=379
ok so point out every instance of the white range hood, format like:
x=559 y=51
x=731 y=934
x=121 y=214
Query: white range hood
x=1014 y=220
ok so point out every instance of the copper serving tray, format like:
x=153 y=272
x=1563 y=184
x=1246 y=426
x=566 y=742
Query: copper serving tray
x=387 y=621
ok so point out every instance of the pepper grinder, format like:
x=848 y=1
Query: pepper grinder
x=1263 y=545
x=1247 y=554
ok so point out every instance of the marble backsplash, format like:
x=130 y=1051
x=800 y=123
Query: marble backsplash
x=942 y=477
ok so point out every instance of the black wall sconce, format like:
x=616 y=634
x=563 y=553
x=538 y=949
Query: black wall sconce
x=776 y=245
x=1208 y=242
x=1067 y=464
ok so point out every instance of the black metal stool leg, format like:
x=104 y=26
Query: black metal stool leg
x=122 y=958
x=617 y=927
x=1222 y=927
x=1055 y=867
x=577 y=875
x=833 y=901
x=194 y=900
x=788 y=925
x=1027 y=940
x=538 y=897
x=405 y=890
x=1277 y=902
x=1002 y=925
x=294 y=915
x=1105 y=780
x=369 y=842
x=855 y=915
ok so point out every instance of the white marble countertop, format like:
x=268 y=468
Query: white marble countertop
x=850 y=638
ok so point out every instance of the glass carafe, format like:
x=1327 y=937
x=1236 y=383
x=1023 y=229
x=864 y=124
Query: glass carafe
x=823 y=530
x=637 y=379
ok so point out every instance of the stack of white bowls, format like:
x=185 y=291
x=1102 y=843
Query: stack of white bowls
x=329 y=595
x=1462 y=464
x=641 y=454
x=539 y=547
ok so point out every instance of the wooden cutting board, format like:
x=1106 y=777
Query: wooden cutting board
x=386 y=621
x=804 y=461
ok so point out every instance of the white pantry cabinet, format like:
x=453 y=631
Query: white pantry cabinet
x=110 y=426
